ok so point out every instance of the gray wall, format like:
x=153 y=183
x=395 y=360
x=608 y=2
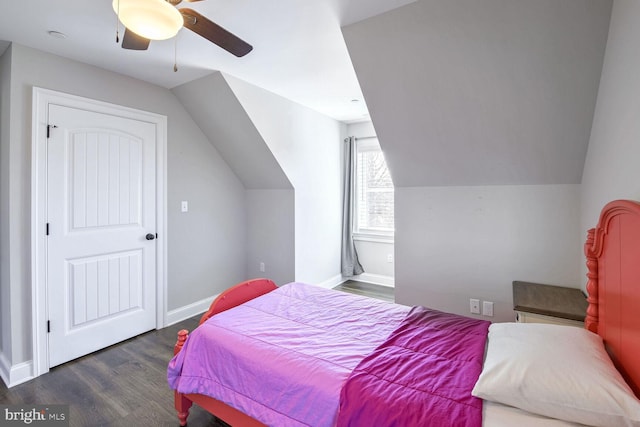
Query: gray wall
x=306 y=145
x=206 y=247
x=288 y=158
x=269 y=194
x=611 y=171
x=271 y=234
x=456 y=243
x=484 y=111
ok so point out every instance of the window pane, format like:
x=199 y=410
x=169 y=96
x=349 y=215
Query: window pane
x=379 y=210
x=374 y=190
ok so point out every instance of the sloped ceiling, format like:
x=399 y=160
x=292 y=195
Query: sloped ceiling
x=299 y=52
x=490 y=92
x=216 y=109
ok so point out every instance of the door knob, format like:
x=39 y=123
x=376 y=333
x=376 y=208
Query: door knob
x=150 y=236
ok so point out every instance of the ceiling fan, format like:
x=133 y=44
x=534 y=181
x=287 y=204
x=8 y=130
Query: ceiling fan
x=147 y=20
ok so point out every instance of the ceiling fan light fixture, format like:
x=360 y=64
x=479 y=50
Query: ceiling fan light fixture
x=152 y=19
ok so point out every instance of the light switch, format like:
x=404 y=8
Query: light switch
x=185 y=206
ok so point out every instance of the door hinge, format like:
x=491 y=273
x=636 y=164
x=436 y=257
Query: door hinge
x=49 y=130
x=47 y=229
x=48 y=326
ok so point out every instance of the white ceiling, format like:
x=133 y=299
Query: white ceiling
x=299 y=52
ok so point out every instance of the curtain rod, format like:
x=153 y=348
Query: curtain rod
x=362 y=137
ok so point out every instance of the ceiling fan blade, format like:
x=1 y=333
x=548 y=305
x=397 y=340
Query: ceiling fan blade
x=214 y=33
x=132 y=41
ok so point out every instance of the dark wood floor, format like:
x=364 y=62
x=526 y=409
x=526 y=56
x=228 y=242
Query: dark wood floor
x=384 y=293
x=126 y=384
x=123 y=385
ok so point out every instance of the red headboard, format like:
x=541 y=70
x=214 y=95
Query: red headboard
x=613 y=262
x=238 y=294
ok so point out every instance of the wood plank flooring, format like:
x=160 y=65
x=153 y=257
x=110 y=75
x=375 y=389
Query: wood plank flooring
x=126 y=384
x=384 y=293
x=123 y=385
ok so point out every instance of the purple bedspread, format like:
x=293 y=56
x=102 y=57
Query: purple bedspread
x=283 y=357
x=422 y=375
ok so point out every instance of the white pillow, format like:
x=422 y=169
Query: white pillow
x=560 y=372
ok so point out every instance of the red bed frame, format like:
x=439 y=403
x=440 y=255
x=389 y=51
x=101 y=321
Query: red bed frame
x=230 y=298
x=612 y=250
x=613 y=262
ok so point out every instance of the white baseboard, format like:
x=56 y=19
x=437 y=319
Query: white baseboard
x=21 y=373
x=183 y=313
x=16 y=374
x=332 y=282
x=376 y=279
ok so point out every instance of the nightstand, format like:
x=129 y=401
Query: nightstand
x=538 y=303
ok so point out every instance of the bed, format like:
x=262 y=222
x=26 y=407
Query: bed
x=387 y=364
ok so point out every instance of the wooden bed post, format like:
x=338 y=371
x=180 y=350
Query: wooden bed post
x=234 y=296
x=182 y=404
x=182 y=337
x=591 y=321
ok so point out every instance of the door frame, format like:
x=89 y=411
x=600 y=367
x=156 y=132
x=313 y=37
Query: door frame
x=42 y=98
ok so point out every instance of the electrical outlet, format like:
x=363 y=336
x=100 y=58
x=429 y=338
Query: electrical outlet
x=474 y=306
x=389 y=257
x=487 y=308
x=262 y=268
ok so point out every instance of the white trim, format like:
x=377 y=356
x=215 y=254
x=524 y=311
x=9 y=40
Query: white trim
x=193 y=309
x=162 y=260
x=21 y=373
x=16 y=374
x=369 y=143
x=332 y=282
x=41 y=100
x=383 y=235
x=375 y=238
x=375 y=279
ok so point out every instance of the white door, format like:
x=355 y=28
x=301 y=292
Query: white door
x=101 y=220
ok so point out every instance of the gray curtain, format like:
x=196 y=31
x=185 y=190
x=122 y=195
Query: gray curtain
x=350 y=264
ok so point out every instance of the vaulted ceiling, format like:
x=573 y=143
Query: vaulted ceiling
x=490 y=92
x=229 y=128
x=299 y=52
x=461 y=92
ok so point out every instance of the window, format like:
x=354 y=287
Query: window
x=374 y=190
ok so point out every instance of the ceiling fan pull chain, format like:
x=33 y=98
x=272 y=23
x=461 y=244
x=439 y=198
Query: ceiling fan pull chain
x=175 y=55
x=118 y=24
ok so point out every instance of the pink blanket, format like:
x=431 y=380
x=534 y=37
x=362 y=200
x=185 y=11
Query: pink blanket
x=286 y=369
x=422 y=375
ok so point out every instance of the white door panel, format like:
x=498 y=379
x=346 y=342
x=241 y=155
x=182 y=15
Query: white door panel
x=101 y=204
